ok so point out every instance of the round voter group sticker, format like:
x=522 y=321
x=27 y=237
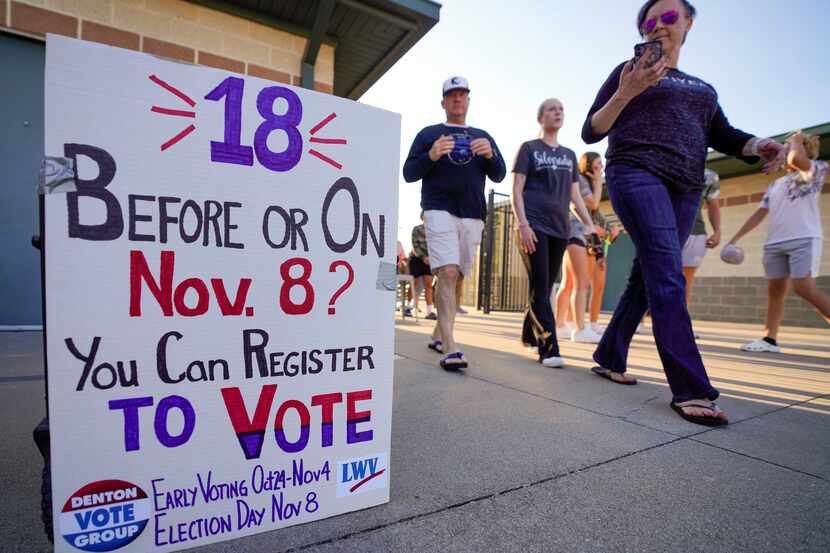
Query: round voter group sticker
x=104 y=515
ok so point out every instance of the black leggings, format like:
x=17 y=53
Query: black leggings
x=542 y=266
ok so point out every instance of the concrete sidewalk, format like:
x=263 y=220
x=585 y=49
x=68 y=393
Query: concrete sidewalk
x=512 y=456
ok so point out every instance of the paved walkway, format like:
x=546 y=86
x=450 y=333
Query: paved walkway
x=512 y=456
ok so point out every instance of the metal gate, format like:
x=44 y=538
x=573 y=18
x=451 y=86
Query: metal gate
x=502 y=278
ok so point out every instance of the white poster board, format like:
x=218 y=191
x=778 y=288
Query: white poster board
x=219 y=302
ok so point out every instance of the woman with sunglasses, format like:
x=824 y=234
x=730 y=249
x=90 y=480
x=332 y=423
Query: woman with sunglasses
x=659 y=122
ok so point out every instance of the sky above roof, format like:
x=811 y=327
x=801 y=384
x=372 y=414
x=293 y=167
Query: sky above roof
x=766 y=58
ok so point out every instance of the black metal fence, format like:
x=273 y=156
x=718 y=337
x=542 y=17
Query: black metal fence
x=502 y=279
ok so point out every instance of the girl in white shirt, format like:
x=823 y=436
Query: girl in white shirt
x=792 y=250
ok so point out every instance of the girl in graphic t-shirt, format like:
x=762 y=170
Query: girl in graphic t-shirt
x=545 y=181
x=792 y=250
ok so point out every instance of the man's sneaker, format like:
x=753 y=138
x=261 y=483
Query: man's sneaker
x=760 y=345
x=586 y=335
x=431 y=316
x=598 y=328
x=643 y=329
x=460 y=310
x=553 y=361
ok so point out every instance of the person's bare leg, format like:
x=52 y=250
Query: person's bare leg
x=689 y=273
x=416 y=285
x=428 y=289
x=776 y=293
x=579 y=296
x=597 y=290
x=459 y=293
x=563 y=295
x=446 y=303
x=807 y=289
x=592 y=269
x=436 y=332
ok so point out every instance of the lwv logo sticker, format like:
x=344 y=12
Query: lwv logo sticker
x=361 y=474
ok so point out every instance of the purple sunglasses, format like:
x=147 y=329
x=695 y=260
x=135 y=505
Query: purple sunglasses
x=668 y=18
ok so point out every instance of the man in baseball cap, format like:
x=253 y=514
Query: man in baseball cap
x=452 y=161
x=455 y=83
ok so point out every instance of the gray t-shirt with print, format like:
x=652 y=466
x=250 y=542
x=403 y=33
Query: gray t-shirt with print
x=550 y=173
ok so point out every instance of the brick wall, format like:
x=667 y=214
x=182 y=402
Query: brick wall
x=173 y=29
x=744 y=300
x=738 y=293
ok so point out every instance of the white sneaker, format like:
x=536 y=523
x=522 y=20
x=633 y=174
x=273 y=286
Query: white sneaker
x=553 y=361
x=586 y=335
x=564 y=330
x=598 y=328
x=643 y=329
x=760 y=345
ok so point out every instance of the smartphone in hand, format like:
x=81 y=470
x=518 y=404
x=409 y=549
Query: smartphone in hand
x=652 y=49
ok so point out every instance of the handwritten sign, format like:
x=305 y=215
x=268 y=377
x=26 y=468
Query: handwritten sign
x=220 y=354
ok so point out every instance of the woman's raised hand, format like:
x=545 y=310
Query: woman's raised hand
x=636 y=77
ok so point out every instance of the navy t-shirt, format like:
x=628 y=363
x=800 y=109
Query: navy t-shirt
x=454 y=183
x=551 y=172
x=667 y=128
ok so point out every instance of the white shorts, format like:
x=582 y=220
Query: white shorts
x=799 y=258
x=451 y=240
x=694 y=250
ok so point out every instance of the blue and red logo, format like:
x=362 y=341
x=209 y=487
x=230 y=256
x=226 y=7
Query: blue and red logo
x=104 y=515
x=362 y=474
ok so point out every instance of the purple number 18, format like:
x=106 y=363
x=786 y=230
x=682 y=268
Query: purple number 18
x=231 y=151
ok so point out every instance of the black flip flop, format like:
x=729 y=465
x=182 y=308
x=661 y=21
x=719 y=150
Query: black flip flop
x=705 y=421
x=606 y=373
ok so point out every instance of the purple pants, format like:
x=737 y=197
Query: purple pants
x=659 y=221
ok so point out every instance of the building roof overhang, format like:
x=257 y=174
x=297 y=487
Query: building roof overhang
x=370 y=36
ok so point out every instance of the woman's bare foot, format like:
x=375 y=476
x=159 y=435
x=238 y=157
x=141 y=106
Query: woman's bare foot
x=701 y=411
x=619 y=378
x=622 y=378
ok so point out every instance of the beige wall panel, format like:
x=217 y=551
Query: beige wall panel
x=227 y=24
x=94 y=10
x=174 y=8
x=731 y=220
x=196 y=36
x=128 y=16
x=285 y=61
x=271 y=36
x=241 y=49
